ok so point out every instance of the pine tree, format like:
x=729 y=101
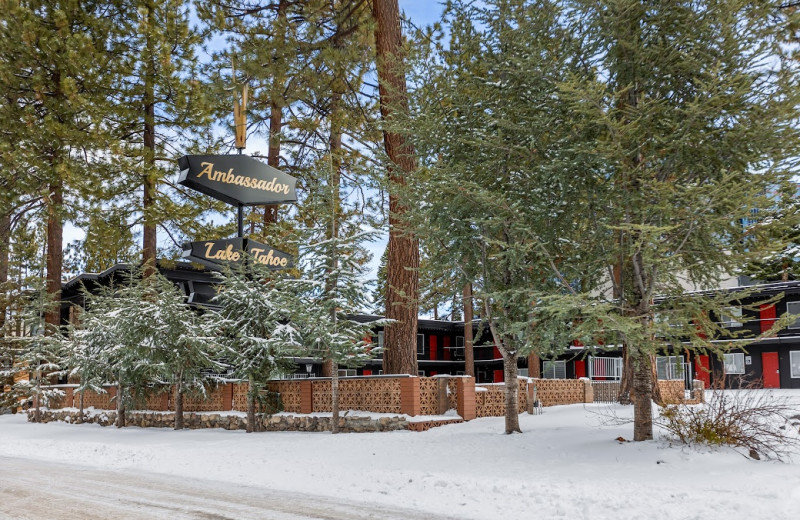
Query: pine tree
x=55 y=71
x=693 y=134
x=498 y=154
x=253 y=329
x=402 y=283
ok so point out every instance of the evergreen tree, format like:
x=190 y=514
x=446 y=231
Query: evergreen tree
x=402 y=283
x=55 y=71
x=34 y=356
x=253 y=329
x=694 y=132
x=499 y=152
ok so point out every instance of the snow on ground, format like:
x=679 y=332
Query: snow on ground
x=566 y=464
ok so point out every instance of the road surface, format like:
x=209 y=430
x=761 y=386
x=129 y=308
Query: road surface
x=34 y=490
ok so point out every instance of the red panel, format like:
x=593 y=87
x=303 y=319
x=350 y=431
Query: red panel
x=767 y=317
x=497 y=354
x=366 y=372
x=433 y=348
x=580 y=369
x=498 y=376
x=446 y=345
x=433 y=373
x=702 y=370
x=772 y=376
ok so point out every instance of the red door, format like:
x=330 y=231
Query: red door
x=702 y=370
x=772 y=376
x=580 y=369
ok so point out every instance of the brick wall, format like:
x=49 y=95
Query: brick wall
x=552 y=392
x=672 y=392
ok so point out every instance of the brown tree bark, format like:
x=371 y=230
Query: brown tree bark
x=5 y=250
x=469 y=354
x=120 y=406
x=149 y=141
x=276 y=121
x=512 y=393
x=641 y=393
x=251 y=408
x=402 y=283
x=55 y=255
x=179 y=406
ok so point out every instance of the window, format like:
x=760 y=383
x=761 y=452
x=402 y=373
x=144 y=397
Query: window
x=794 y=363
x=793 y=308
x=730 y=319
x=555 y=370
x=420 y=343
x=460 y=342
x=734 y=363
x=421 y=373
x=380 y=339
x=669 y=367
x=347 y=372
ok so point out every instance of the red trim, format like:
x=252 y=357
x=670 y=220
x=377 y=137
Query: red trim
x=767 y=317
x=433 y=373
x=446 y=345
x=433 y=348
x=498 y=376
x=701 y=369
x=366 y=372
x=580 y=369
x=497 y=355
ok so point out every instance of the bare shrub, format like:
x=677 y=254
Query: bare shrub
x=756 y=420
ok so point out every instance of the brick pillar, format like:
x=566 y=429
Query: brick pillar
x=112 y=393
x=69 y=400
x=409 y=396
x=227 y=397
x=163 y=402
x=306 y=396
x=465 y=391
x=588 y=391
x=442 y=403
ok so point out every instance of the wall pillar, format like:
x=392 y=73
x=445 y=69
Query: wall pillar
x=588 y=391
x=465 y=391
x=306 y=397
x=227 y=397
x=69 y=399
x=409 y=396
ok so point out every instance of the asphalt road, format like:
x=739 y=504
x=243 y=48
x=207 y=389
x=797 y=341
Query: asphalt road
x=34 y=490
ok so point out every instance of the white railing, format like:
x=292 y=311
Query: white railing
x=605 y=368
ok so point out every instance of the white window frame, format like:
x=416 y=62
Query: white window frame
x=554 y=368
x=730 y=360
x=794 y=363
x=796 y=323
x=459 y=342
x=420 y=351
x=729 y=321
x=348 y=372
x=675 y=361
x=420 y=373
x=380 y=339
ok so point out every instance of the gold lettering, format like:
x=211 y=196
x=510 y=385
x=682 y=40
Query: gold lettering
x=207 y=169
x=222 y=254
x=241 y=180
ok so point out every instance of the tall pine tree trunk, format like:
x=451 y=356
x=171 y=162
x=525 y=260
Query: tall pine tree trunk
x=5 y=252
x=402 y=283
x=179 y=402
x=55 y=258
x=641 y=391
x=149 y=141
x=80 y=407
x=120 y=405
x=251 y=406
x=512 y=392
x=469 y=354
x=276 y=117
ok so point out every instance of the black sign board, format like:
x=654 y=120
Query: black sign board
x=237 y=179
x=216 y=253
